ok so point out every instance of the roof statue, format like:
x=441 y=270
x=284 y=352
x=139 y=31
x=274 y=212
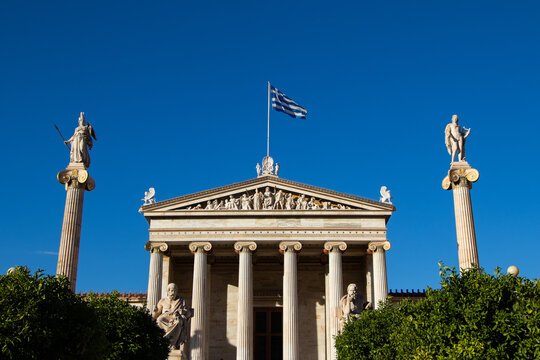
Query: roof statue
x=258 y=167
x=454 y=138
x=149 y=196
x=277 y=169
x=81 y=142
x=385 y=195
x=268 y=166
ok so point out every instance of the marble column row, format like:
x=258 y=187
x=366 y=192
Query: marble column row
x=245 y=249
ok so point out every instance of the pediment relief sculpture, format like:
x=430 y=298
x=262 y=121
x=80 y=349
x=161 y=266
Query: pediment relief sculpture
x=267 y=198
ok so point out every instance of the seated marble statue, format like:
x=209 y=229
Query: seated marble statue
x=172 y=315
x=350 y=305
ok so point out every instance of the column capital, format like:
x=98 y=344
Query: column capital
x=287 y=245
x=76 y=178
x=374 y=245
x=331 y=245
x=152 y=246
x=239 y=245
x=205 y=245
x=460 y=176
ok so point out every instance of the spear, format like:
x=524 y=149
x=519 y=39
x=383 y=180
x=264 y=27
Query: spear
x=59 y=133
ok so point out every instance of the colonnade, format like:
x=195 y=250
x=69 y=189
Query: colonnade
x=245 y=250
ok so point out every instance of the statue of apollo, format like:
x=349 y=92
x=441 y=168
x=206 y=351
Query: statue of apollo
x=454 y=138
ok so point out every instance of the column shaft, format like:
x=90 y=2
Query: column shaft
x=369 y=279
x=336 y=286
x=244 y=349
x=380 y=280
x=198 y=303
x=328 y=331
x=154 y=279
x=68 y=255
x=290 y=306
x=165 y=274
x=466 y=236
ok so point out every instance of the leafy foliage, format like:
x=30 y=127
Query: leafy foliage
x=130 y=330
x=40 y=318
x=473 y=316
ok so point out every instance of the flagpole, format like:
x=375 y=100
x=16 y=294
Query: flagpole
x=268 y=133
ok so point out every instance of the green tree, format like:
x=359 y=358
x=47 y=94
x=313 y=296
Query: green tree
x=131 y=331
x=473 y=316
x=368 y=337
x=40 y=318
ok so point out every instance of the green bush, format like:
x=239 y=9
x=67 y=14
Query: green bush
x=473 y=316
x=131 y=331
x=40 y=318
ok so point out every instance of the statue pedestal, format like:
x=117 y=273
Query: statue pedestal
x=460 y=178
x=79 y=166
x=460 y=165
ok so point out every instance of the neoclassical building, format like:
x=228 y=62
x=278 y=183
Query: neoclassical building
x=264 y=263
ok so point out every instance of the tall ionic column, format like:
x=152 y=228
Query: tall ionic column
x=290 y=299
x=460 y=179
x=198 y=302
x=335 y=274
x=380 y=279
x=155 y=273
x=77 y=181
x=244 y=335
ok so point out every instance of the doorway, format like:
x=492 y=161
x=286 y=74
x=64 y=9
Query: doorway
x=268 y=336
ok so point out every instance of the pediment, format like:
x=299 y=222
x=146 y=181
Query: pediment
x=266 y=193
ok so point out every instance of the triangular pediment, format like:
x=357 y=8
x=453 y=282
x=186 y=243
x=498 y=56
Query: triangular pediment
x=266 y=193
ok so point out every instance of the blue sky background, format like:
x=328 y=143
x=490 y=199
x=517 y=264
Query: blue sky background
x=177 y=93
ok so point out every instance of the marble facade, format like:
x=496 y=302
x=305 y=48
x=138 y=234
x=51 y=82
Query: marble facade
x=234 y=264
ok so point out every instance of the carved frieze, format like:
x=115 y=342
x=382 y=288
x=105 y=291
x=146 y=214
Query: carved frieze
x=266 y=198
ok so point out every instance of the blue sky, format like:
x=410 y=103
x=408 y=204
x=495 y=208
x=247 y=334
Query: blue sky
x=177 y=93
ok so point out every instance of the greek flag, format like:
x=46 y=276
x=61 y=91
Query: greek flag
x=282 y=103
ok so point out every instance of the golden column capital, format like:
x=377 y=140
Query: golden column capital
x=250 y=245
x=374 y=245
x=460 y=175
x=290 y=245
x=205 y=245
x=76 y=178
x=331 y=245
x=153 y=246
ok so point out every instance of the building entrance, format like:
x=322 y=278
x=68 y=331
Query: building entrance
x=268 y=337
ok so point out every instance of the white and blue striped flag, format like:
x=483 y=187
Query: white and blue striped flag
x=282 y=103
